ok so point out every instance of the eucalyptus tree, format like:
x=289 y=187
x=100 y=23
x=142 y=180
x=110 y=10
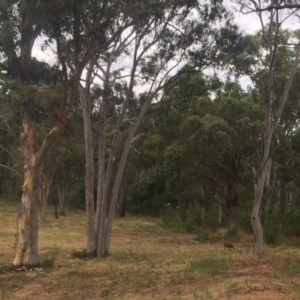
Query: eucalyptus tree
x=77 y=31
x=21 y=24
x=152 y=48
x=273 y=100
x=243 y=118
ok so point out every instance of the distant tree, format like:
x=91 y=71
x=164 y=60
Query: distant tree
x=273 y=101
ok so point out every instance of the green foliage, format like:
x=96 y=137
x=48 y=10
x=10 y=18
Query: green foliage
x=47 y=262
x=272 y=228
x=211 y=266
x=82 y=254
x=194 y=222
x=171 y=219
x=244 y=218
x=76 y=198
x=291 y=224
x=279 y=227
x=148 y=198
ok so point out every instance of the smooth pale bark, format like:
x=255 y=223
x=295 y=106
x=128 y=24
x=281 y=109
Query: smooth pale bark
x=61 y=199
x=270 y=36
x=270 y=126
x=101 y=212
x=118 y=179
x=91 y=244
x=259 y=189
x=27 y=220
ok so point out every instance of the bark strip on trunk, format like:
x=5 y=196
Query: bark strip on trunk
x=27 y=220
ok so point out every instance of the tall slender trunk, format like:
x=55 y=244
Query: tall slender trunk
x=101 y=212
x=255 y=212
x=91 y=243
x=232 y=203
x=27 y=220
x=61 y=199
x=118 y=178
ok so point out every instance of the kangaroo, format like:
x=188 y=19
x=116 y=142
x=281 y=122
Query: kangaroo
x=228 y=246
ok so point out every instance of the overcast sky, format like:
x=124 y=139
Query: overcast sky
x=248 y=23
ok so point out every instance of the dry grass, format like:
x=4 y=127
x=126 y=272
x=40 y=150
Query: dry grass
x=146 y=262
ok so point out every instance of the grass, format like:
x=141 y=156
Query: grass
x=147 y=261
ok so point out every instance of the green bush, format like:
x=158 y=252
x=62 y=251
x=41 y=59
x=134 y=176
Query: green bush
x=147 y=198
x=170 y=218
x=76 y=198
x=194 y=221
x=47 y=262
x=245 y=220
x=272 y=226
x=291 y=224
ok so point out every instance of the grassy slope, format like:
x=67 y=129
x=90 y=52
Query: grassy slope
x=146 y=262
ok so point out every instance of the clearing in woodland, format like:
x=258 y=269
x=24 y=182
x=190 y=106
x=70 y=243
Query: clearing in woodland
x=146 y=262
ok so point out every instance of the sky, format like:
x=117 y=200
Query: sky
x=248 y=23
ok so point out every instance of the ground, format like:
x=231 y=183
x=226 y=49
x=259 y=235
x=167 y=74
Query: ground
x=146 y=262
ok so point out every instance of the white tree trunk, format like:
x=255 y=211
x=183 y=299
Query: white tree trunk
x=91 y=243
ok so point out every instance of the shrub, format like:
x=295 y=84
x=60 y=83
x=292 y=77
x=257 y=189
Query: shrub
x=245 y=220
x=272 y=228
x=291 y=224
x=171 y=218
x=148 y=198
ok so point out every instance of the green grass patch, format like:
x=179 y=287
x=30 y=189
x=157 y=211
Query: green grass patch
x=211 y=266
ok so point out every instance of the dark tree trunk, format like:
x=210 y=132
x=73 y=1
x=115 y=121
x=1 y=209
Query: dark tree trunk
x=283 y=205
x=55 y=203
x=232 y=201
x=232 y=216
x=182 y=211
x=123 y=201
